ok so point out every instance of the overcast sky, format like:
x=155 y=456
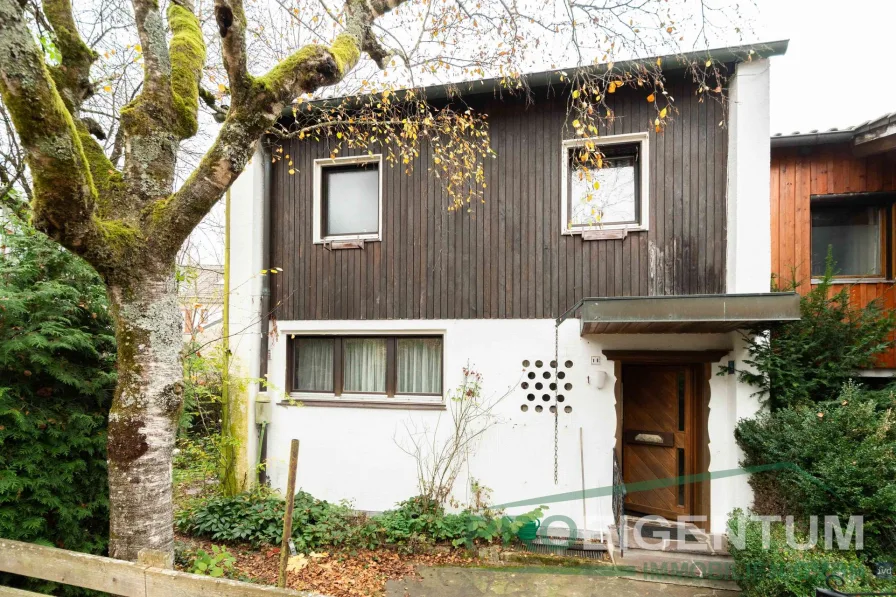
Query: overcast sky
x=839 y=68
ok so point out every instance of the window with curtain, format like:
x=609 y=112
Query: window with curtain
x=383 y=365
x=365 y=365
x=419 y=365
x=854 y=236
x=313 y=364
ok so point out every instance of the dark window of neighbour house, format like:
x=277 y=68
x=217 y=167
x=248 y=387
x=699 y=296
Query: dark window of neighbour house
x=855 y=236
x=350 y=199
x=388 y=365
x=606 y=191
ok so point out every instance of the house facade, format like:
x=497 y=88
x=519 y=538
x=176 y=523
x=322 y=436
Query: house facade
x=837 y=189
x=600 y=353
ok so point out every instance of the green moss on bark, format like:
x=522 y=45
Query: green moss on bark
x=187 y=59
x=119 y=237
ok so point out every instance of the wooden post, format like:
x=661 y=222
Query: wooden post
x=287 y=520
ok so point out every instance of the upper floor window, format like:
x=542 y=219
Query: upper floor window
x=366 y=367
x=347 y=199
x=605 y=183
x=856 y=236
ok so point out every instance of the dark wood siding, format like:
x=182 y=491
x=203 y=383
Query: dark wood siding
x=507 y=258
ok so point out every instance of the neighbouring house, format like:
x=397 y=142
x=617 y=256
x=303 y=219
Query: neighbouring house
x=200 y=293
x=837 y=189
x=615 y=349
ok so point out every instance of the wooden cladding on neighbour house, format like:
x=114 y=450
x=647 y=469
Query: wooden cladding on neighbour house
x=797 y=175
x=507 y=258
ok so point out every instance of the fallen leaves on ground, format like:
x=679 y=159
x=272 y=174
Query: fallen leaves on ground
x=337 y=574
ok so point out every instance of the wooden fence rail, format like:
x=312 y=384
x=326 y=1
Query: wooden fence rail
x=127 y=579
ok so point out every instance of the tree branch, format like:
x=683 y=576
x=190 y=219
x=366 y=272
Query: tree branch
x=72 y=76
x=231 y=20
x=305 y=71
x=187 y=60
x=64 y=193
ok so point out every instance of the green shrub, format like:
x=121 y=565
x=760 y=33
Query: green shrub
x=847 y=451
x=57 y=375
x=216 y=564
x=783 y=571
x=257 y=518
x=807 y=361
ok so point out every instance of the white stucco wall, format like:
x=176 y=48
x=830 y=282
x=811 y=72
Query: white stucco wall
x=246 y=231
x=749 y=246
x=351 y=453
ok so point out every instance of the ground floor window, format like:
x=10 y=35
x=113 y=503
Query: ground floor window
x=857 y=231
x=365 y=365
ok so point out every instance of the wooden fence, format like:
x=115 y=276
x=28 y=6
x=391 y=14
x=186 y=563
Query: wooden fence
x=127 y=579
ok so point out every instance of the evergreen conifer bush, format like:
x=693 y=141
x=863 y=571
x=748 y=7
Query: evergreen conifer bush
x=57 y=375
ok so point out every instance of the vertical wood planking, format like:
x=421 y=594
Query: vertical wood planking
x=508 y=258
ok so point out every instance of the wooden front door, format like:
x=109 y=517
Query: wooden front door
x=658 y=436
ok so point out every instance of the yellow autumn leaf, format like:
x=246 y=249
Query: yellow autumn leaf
x=659 y=61
x=292 y=171
x=596 y=185
x=107 y=88
x=651 y=98
x=663 y=113
x=221 y=88
x=575 y=94
x=576 y=123
x=708 y=63
x=138 y=47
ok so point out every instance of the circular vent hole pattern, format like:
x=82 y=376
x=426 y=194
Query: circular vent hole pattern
x=539 y=408
x=530 y=397
x=531 y=375
x=546 y=375
x=553 y=386
x=567 y=409
x=567 y=386
x=553 y=364
x=539 y=385
x=538 y=364
x=553 y=409
x=568 y=364
x=561 y=375
x=560 y=397
x=524 y=407
x=525 y=385
x=546 y=397
x=525 y=364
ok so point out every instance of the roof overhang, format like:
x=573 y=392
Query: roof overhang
x=691 y=314
x=672 y=63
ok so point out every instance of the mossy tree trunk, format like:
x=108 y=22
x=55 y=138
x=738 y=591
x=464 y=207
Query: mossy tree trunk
x=144 y=415
x=129 y=222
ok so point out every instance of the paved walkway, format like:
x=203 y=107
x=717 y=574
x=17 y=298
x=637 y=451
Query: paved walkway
x=475 y=582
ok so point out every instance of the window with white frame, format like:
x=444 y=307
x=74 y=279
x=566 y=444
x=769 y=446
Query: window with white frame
x=371 y=367
x=605 y=183
x=348 y=199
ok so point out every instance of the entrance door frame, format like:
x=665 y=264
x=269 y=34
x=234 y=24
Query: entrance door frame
x=701 y=362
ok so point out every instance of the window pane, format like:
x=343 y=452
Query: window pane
x=352 y=199
x=419 y=365
x=365 y=365
x=615 y=199
x=314 y=364
x=853 y=233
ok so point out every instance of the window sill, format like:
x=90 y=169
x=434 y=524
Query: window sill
x=363 y=401
x=578 y=231
x=848 y=280
x=367 y=238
